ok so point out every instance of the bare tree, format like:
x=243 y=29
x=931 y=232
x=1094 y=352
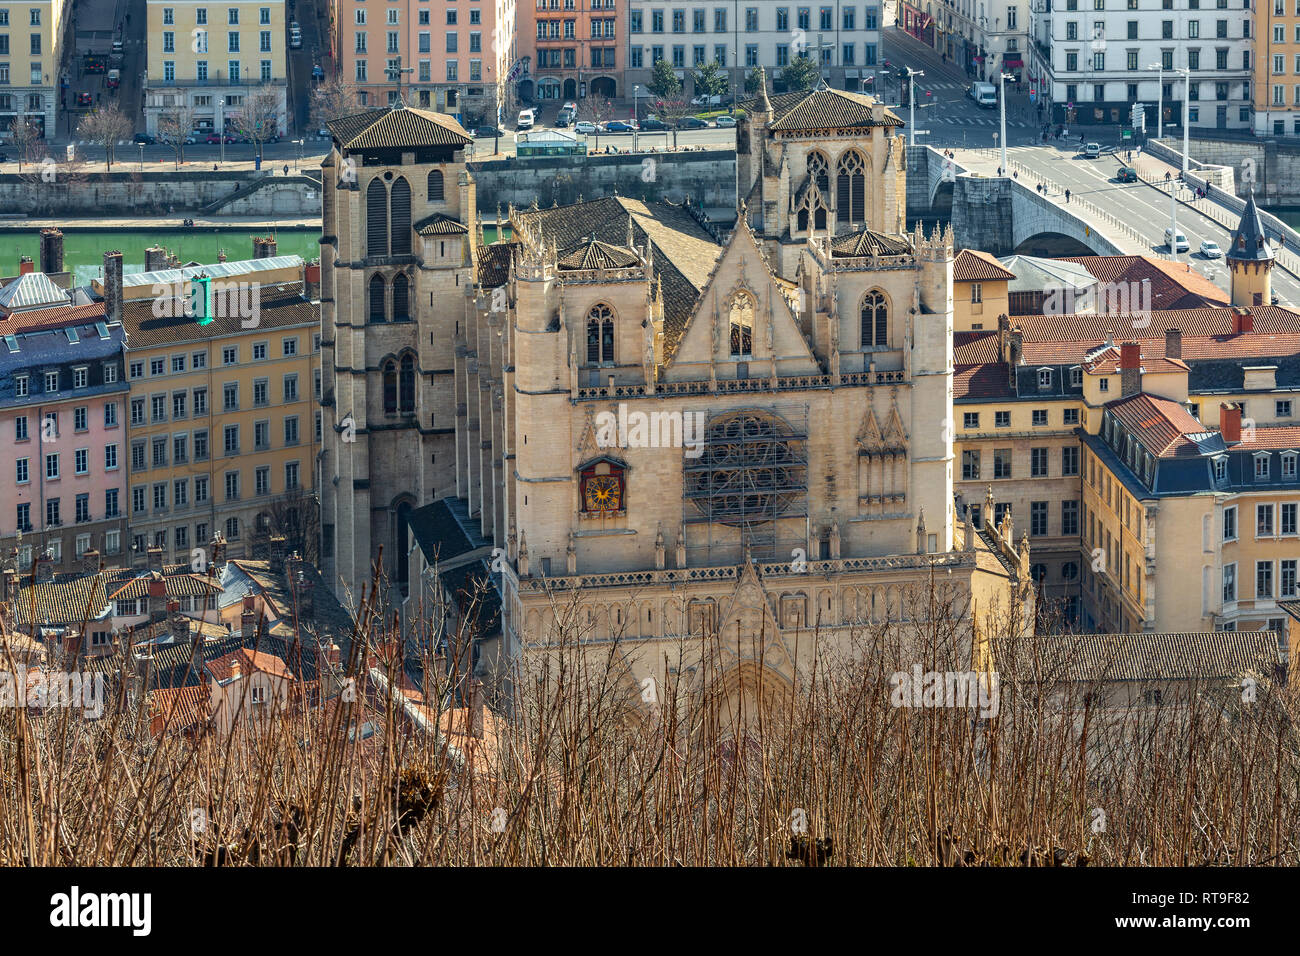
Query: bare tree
x=175 y=126
x=258 y=120
x=598 y=110
x=672 y=112
x=105 y=127
x=26 y=137
x=296 y=516
x=332 y=99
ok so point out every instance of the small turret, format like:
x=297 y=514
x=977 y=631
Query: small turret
x=1250 y=259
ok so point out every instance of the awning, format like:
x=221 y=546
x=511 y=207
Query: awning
x=1015 y=62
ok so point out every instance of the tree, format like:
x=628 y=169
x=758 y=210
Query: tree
x=752 y=80
x=176 y=125
x=106 y=127
x=711 y=79
x=598 y=110
x=296 y=516
x=663 y=80
x=672 y=112
x=332 y=99
x=258 y=120
x=801 y=74
x=26 y=137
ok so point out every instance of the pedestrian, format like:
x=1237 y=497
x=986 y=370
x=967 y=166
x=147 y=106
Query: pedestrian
x=1067 y=195
x=1015 y=174
x=286 y=169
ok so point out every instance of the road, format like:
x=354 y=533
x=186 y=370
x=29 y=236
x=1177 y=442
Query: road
x=1142 y=206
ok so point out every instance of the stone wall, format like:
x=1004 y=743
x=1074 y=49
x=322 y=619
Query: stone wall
x=1276 y=164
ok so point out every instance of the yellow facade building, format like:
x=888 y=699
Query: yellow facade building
x=31 y=53
x=206 y=60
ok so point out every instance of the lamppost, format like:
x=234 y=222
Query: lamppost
x=142 y=157
x=1160 y=108
x=1002 y=104
x=911 y=101
x=1187 y=98
x=299 y=144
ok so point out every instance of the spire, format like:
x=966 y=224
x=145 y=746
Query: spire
x=764 y=105
x=1249 y=240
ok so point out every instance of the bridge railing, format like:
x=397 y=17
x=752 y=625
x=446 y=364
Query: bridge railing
x=1096 y=214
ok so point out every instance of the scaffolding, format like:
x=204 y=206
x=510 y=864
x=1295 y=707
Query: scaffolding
x=749 y=488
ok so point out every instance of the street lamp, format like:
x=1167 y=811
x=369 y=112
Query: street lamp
x=1187 y=98
x=1002 y=104
x=299 y=144
x=142 y=157
x=1160 y=109
x=911 y=101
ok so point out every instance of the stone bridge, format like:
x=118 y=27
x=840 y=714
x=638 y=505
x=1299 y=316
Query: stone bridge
x=998 y=215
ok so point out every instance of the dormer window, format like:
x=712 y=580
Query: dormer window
x=1288 y=465
x=21 y=386
x=51 y=381
x=1261 y=466
x=1044 y=378
x=1076 y=377
x=1221 y=469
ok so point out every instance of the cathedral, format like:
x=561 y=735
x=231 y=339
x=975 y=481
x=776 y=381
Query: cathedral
x=662 y=427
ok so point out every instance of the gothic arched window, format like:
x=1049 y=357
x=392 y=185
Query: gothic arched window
x=401 y=298
x=741 y=320
x=851 y=188
x=400 y=203
x=819 y=172
x=376 y=219
x=600 y=334
x=408 y=384
x=390 y=387
x=875 y=320
x=377 y=311
x=435 y=186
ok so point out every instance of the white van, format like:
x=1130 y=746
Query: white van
x=1176 y=242
x=985 y=95
x=526 y=118
x=295 y=36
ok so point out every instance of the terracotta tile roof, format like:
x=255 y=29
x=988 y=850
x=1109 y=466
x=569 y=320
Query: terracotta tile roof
x=869 y=243
x=1162 y=426
x=178 y=585
x=1194 y=348
x=249 y=660
x=971 y=348
x=380 y=129
x=1191 y=322
x=981 y=381
x=180 y=707
x=1105 y=361
x=594 y=254
x=826 y=109
x=1205 y=655
x=67 y=599
x=441 y=225
x=279 y=306
x=52 y=318
x=1173 y=285
x=974 y=266
x=1269 y=437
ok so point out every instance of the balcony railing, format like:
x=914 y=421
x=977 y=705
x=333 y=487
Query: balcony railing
x=154 y=83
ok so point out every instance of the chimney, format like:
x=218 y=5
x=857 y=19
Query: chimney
x=157 y=597
x=51 y=251
x=476 y=708
x=248 y=620
x=1230 y=422
x=277 y=554
x=1173 y=343
x=311 y=281
x=1243 y=321
x=25 y=265
x=154 y=558
x=234 y=668
x=90 y=562
x=263 y=247
x=178 y=623
x=1130 y=369
x=221 y=255
x=112 y=287
x=44 y=570
x=10 y=587
x=155 y=259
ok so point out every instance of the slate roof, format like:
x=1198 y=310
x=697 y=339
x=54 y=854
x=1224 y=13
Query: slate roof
x=1152 y=358
x=972 y=265
x=394 y=128
x=1165 y=428
x=493 y=265
x=440 y=224
x=1150 y=657
x=684 y=251
x=440 y=533
x=594 y=254
x=280 y=306
x=869 y=243
x=1249 y=240
x=826 y=109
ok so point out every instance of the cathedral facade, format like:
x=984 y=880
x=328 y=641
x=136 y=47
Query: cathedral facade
x=672 y=430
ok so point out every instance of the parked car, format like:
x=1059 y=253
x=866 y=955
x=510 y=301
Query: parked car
x=526 y=118
x=618 y=126
x=652 y=125
x=1211 y=250
x=295 y=36
x=585 y=126
x=214 y=138
x=692 y=122
x=323 y=132
x=726 y=122
x=706 y=100
x=1176 y=242
x=117 y=46
x=145 y=139
x=486 y=132
x=1091 y=151
x=114 y=79
x=1126 y=174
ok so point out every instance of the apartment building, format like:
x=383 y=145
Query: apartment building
x=574 y=48
x=32 y=40
x=1096 y=58
x=223 y=428
x=1277 y=74
x=207 y=59
x=843 y=37
x=454 y=57
x=983 y=37
x=62 y=421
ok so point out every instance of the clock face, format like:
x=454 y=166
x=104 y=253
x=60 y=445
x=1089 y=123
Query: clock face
x=603 y=493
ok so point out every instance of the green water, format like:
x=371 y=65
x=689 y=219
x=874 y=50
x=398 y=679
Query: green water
x=83 y=251
x=1288 y=214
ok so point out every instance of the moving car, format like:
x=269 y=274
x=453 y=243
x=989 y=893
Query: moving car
x=117 y=46
x=1176 y=242
x=1091 y=151
x=985 y=95
x=145 y=139
x=618 y=126
x=323 y=132
x=295 y=36
x=84 y=99
x=706 y=100
x=726 y=122
x=585 y=126
x=114 y=79
x=692 y=122
x=487 y=132
x=1126 y=174
x=1211 y=250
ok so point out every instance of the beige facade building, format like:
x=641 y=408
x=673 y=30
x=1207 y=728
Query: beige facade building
x=32 y=40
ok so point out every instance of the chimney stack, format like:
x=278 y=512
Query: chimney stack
x=234 y=668
x=112 y=287
x=178 y=623
x=25 y=265
x=1230 y=422
x=248 y=620
x=157 y=597
x=264 y=247
x=44 y=570
x=311 y=281
x=10 y=587
x=90 y=563
x=1130 y=369
x=1173 y=343
x=277 y=554
x=51 y=251
x=221 y=255
x=1243 y=321
x=155 y=259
